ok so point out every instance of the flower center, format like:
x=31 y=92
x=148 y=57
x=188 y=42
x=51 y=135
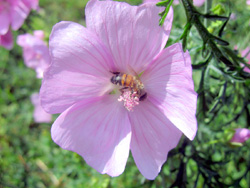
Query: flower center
x=131 y=88
x=130 y=99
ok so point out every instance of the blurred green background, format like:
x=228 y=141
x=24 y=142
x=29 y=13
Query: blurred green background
x=29 y=158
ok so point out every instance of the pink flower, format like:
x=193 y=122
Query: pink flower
x=248 y=2
x=14 y=12
x=247 y=54
x=35 y=51
x=40 y=116
x=241 y=135
x=6 y=40
x=93 y=123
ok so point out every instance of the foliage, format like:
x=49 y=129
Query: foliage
x=29 y=158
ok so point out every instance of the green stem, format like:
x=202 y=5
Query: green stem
x=193 y=17
x=208 y=5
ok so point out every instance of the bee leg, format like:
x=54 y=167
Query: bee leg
x=123 y=89
x=116 y=73
x=143 y=97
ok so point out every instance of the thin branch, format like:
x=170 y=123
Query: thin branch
x=193 y=17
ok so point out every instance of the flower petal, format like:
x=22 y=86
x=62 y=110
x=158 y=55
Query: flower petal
x=35 y=52
x=31 y=4
x=168 y=82
x=131 y=33
x=99 y=131
x=7 y=40
x=79 y=68
x=33 y=46
x=4 y=22
x=153 y=136
x=40 y=116
x=241 y=135
x=39 y=34
x=19 y=13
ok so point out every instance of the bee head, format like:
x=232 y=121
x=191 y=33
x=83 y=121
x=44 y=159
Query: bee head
x=115 y=79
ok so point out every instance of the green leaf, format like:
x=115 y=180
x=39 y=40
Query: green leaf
x=237 y=59
x=202 y=64
x=218 y=9
x=163 y=3
x=235 y=144
x=185 y=34
x=220 y=41
x=223 y=26
x=186 y=30
x=165 y=12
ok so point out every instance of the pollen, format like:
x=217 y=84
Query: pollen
x=130 y=100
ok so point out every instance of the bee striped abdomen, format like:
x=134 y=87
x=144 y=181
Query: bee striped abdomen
x=123 y=79
x=129 y=81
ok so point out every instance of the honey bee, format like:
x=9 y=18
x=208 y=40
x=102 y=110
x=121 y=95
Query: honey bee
x=127 y=81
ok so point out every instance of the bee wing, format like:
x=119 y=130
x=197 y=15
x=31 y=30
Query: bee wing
x=134 y=72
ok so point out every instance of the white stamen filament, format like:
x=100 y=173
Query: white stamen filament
x=130 y=100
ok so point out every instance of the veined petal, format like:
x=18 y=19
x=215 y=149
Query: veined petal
x=168 y=82
x=19 y=13
x=98 y=130
x=31 y=4
x=131 y=33
x=79 y=68
x=153 y=136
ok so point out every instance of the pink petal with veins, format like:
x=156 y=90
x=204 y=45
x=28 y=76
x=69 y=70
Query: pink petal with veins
x=153 y=136
x=14 y=12
x=101 y=122
x=79 y=70
x=169 y=84
x=97 y=129
x=119 y=26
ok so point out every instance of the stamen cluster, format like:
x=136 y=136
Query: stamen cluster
x=130 y=100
